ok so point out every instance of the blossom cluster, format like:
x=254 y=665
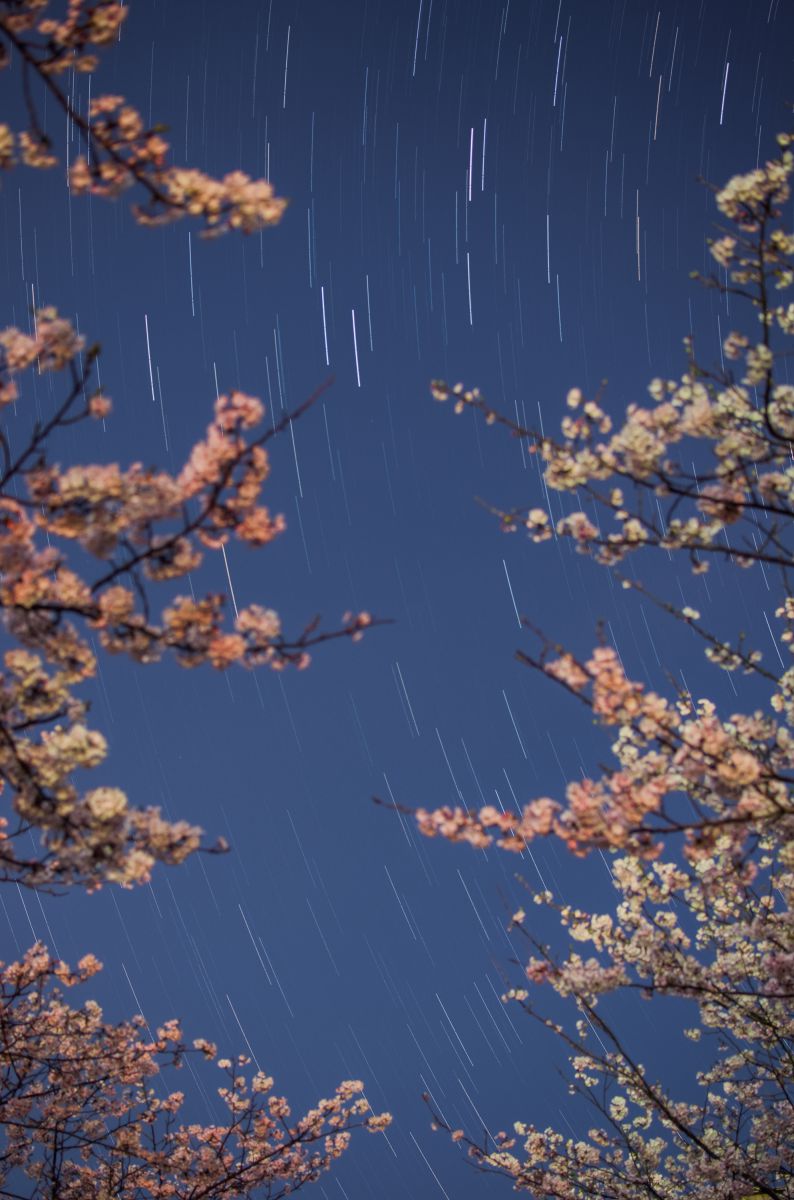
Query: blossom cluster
x=53 y=345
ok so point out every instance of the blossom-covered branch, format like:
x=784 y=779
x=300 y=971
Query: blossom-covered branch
x=120 y=151
x=681 y=770
x=744 y=418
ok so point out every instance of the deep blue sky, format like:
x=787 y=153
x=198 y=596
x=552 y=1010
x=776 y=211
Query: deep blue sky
x=387 y=952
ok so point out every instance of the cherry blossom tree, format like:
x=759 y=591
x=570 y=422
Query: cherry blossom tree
x=83 y=1115
x=82 y=1107
x=698 y=809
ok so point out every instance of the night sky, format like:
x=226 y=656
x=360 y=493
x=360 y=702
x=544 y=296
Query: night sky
x=505 y=195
